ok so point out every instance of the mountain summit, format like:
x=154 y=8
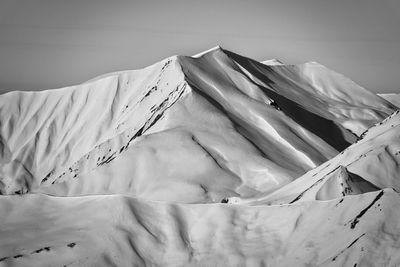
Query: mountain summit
x=214 y=159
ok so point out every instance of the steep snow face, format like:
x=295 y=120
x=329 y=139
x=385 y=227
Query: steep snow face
x=210 y=160
x=373 y=162
x=329 y=96
x=46 y=135
x=392 y=98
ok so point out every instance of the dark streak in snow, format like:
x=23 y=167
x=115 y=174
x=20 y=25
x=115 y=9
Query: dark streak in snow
x=40 y=250
x=357 y=218
x=349 y=246
x=107 y=160
x=337 y=204
x=47 y=176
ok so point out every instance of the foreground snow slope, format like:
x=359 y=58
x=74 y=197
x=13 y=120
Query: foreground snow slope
x=210 y=160
x=38 y=230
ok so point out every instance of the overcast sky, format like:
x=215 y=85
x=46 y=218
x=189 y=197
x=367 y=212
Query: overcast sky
x=55 y=43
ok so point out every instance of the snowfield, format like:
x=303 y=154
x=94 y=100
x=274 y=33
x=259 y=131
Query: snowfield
x=209 y=160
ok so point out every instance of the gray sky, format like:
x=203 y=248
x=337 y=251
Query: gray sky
x=56 y=43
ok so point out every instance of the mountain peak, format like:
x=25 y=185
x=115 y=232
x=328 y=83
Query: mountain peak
x=215 y=48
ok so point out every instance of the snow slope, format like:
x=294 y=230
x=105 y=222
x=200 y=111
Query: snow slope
x=370 y=164
x=141 y=167
x=115 y=230
x=392 y=98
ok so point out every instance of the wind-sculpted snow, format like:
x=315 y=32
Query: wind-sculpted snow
x=372 y=163
x=122 y=231
x=335 y=100
x=210 y=160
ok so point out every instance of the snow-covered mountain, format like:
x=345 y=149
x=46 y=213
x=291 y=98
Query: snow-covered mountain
x=209 y=160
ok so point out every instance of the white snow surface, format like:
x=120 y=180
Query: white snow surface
x=272 y=62
x=392 y=98
x=209 y=160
